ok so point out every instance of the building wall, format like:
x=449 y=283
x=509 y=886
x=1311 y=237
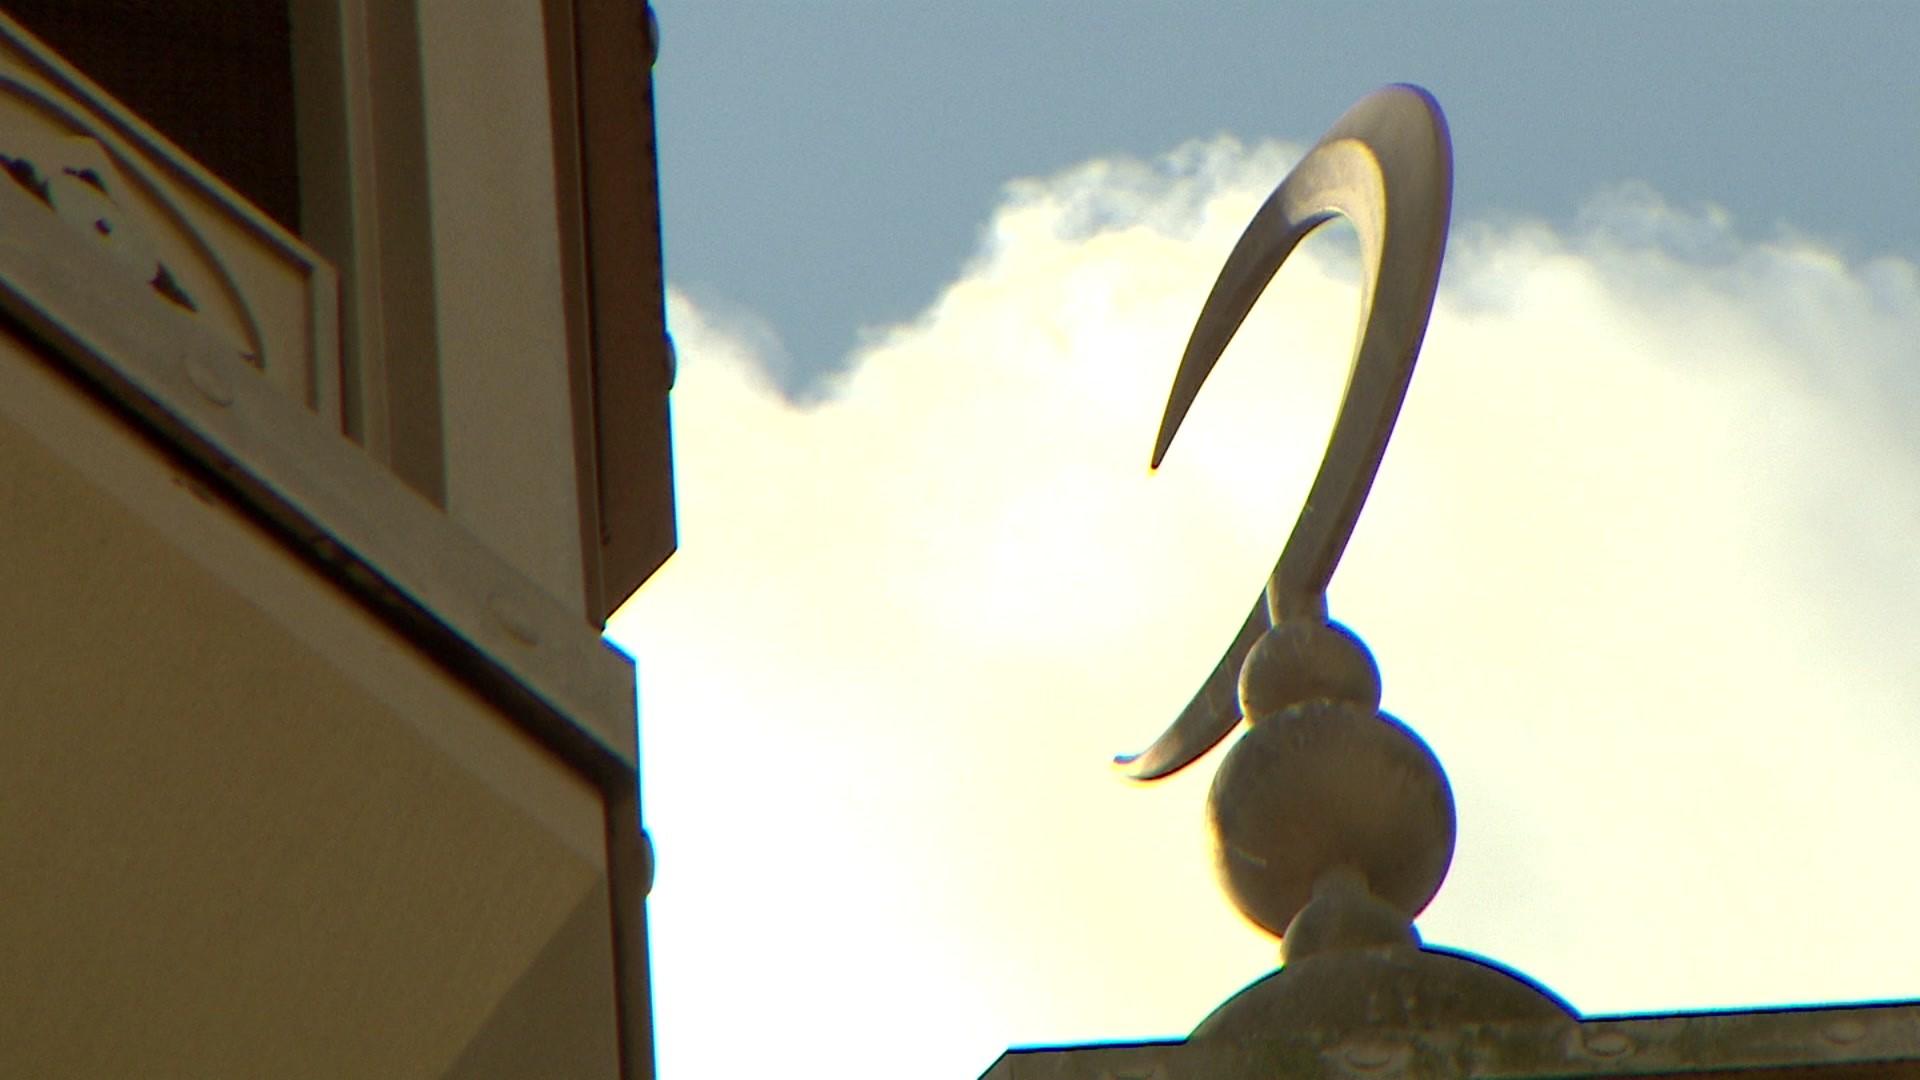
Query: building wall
x=312 y=761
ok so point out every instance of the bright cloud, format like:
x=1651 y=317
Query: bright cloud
x=1639 y=566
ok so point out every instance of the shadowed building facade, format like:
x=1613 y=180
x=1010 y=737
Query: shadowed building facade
x=333 y=382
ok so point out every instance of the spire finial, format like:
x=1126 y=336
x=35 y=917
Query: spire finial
x=1387 y=165
x=1329 y=814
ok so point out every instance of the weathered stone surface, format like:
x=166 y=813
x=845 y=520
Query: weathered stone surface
x=1855 y=1042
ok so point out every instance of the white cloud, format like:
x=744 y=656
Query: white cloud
x=1640 y=566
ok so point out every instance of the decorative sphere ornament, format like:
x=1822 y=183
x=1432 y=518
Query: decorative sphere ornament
x=1325 y=784
x=1302 y=659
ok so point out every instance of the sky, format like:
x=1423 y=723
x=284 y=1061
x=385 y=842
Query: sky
x=1639 y=565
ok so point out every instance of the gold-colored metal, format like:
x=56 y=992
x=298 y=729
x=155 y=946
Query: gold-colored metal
x=1387 y=166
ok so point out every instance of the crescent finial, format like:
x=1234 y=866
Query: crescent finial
x=1387 y=166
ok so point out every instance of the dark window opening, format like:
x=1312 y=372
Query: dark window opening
x=214 y=76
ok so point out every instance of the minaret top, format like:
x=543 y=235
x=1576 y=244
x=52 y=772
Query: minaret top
x=1333 y=822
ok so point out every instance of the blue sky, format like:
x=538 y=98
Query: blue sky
x=828 y=166
x=1639 y=564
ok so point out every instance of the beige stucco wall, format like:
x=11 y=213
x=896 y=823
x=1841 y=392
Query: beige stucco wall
x=506 y=404
x=246 y=829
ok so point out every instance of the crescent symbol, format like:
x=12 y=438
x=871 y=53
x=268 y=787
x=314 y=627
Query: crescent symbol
x=1387 y=166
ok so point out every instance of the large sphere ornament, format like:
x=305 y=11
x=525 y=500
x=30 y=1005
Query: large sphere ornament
x=1303 y=659
x=1326 y=784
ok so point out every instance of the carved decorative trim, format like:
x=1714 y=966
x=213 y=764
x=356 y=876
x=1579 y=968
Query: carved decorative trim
x=197 y=244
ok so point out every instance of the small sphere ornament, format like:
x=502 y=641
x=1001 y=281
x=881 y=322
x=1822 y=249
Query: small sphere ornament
x=1302 y=659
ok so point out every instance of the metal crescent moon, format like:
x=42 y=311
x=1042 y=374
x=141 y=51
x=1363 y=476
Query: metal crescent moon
x=1387 y=166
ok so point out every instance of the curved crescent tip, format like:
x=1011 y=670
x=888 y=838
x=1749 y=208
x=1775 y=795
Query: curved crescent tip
x=1169 y=425
x=1211 y=333
x=1180 y=746
x=1208 y=718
